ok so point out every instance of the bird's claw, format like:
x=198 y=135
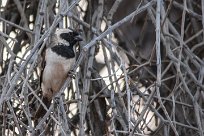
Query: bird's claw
x=71 y=74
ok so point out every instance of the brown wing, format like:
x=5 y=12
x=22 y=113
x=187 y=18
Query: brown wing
x=41 y=111
x=42 y=64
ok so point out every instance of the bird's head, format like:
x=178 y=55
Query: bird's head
x=68 y=37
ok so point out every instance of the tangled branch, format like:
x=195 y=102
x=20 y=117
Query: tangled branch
x=139 y=69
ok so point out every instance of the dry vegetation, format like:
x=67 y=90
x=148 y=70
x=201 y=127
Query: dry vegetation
x=139 y=69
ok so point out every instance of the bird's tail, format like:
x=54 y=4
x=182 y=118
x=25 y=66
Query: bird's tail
x=41 y=111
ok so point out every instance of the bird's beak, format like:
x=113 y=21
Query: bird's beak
x=78 y=38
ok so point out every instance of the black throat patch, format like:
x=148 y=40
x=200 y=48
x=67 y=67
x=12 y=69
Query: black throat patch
x=64 y=51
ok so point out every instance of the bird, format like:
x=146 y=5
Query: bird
x=58 y=60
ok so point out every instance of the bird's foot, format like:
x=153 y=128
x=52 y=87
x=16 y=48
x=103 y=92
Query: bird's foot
x=71 y=74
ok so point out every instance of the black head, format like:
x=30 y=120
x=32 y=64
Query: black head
x=69 y=37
